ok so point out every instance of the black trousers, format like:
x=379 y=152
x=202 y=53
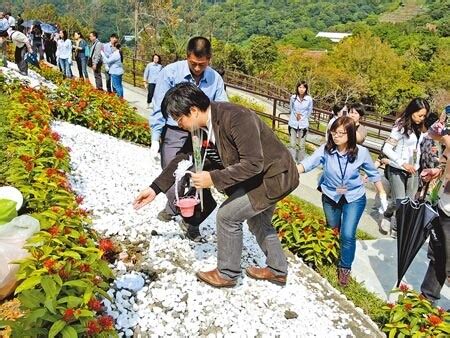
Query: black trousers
x=151 y=91
x=19 y=58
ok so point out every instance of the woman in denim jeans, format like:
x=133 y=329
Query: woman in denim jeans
x=114 y=62
x=343 y=192
x=65 y=54
x=80 y=55
x=403 y=151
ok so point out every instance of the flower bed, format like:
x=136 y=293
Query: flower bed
x=301 y=229
x=61 y=280
x=76 y=101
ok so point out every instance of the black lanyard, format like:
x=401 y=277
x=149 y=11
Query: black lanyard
x=340 y=167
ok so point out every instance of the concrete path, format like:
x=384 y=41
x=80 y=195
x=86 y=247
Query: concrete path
x=375 y=262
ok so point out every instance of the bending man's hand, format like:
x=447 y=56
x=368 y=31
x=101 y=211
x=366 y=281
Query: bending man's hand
x=145 y=197
x=202 y=179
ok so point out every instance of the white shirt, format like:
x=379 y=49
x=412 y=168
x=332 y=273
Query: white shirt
x=11 y=21
x=401 y=149
x=64 y=49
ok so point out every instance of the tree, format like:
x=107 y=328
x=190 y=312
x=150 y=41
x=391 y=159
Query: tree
x=262 y=52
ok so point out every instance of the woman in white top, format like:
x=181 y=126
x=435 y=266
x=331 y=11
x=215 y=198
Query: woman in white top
x=403 y=150
x=301 y=106
x=65 y=54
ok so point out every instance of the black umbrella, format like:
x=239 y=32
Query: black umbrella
x=414 y=223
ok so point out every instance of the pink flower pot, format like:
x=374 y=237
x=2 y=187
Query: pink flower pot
x=187 y=206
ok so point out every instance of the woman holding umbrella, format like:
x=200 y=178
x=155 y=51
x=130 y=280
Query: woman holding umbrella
x=403 y=150
x=343 y=192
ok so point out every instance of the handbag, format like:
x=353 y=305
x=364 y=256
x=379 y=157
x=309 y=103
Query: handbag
x=89 y=61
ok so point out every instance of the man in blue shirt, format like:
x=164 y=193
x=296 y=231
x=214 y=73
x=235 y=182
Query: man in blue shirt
x=165 y=130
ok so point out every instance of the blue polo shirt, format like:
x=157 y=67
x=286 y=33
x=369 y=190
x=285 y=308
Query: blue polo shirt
x=211 y=84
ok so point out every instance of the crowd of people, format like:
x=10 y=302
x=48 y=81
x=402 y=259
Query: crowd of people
x=244 y=159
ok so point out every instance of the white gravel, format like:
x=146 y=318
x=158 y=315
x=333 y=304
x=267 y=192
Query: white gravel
x=109 y=173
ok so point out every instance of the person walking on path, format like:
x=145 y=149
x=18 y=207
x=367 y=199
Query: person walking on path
x=151 y=73
x=438 y=271
x=195 y=69
x=403 y=151
x=21 y=42
x=257 y=171
x=95 y=59
x=108 y=49
x=301 y=107
x=80 y=55
x=343 y=192
x=115 y=66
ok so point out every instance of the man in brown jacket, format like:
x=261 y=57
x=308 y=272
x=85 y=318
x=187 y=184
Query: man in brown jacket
x=254 y=169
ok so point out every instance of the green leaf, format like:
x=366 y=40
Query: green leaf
x=28 y=284
x=69 y=332
x=50 y=287
x=71 y=301
x=56 y=328
x=77 y=283
x=72 y=254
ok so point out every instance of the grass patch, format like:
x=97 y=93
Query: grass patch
x=359 y=295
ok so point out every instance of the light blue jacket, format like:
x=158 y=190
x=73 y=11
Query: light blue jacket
x=303 y=106
x=332 y=174
x=114 y=62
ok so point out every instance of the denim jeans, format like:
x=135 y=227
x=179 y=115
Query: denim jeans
x=297 y=143
x=230 y=216
x=344 y=216
x=82 y=66
x=116 y=81
x=65 y=67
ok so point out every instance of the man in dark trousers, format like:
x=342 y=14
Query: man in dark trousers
x=252 y=167
x=95 y=59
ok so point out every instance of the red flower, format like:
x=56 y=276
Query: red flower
x=54 y=209
x=82 y=104
x=107 y=322
x=41 y=138
x=79 y=199
x=441 y=310
x=60 y=153
x=106 y=245
x=390 y=305
x=434 y=320
x=29 y=125
x=68 y=315
x=82 y=240
x=336 y=231
x=408 y=307
x=67 y=230
x=49 y=263
x=404 y=288
x=69 y=213
x=25 y=158
x=29 y=166
x=97 y=280
x=85 y=267
x=95 y=305
x=54 y=231
x=93 y=328
x=50 y=172
x=55 y=136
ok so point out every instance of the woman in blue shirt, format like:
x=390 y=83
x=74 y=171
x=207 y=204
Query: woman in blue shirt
x=301 y=106
x=115 y=65
x=151 y=75
x=343 y=192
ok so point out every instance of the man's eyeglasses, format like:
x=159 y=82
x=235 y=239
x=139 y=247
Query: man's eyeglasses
x=338 y=133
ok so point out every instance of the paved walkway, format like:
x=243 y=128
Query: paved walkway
x=376 y=260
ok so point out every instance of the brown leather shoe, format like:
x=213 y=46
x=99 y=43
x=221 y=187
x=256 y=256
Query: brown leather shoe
x=265 y=274
x=213 y=278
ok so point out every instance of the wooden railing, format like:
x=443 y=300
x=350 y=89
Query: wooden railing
x=378 y=127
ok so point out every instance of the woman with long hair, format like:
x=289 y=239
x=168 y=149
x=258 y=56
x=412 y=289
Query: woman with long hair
x=80 y=55
x=343 y=192
x=301 y=107
x=65 y=53
x=356 y=111
x=403 y=151
x=151 y=75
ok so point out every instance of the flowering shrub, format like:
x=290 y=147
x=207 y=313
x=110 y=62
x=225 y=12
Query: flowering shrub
x=414 y=316
x=64 y=275
x=305 y=233
x=49 y=72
